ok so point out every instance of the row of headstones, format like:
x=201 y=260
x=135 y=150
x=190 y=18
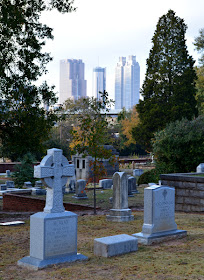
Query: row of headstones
x=53 y=233
x=10 y=186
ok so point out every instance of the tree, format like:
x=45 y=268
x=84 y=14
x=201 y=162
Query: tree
x=169 y=86
x=91 y=133
x=24 y=124
x=180 y=146
x=199 y=44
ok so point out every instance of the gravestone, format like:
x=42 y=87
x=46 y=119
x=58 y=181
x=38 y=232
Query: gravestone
x=10 y=184
x=8 y=173
x=138 y=172
x=38 y=191
x=130 y=186
x=3 y=187
x=38 y=184
x=53 y=233
x=105 y=183
x=27 y=185
x=200 y=168
x=110 y=246
x=80 y=190
x=120 y=211
x=134 y=184
x=159 y=216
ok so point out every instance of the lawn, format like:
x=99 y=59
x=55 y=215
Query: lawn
x=179 y=259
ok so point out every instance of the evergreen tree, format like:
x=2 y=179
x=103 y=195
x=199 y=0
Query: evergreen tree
x=24 y=124
x=199 y=44
x=169 y=87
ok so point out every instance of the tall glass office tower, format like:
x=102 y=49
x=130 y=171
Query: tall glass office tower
x=99 y=81
x=127 y=83
x=72 y=83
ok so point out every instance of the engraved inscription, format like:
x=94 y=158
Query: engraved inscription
x=60 y=238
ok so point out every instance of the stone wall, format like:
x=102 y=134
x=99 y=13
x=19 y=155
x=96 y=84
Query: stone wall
x=189 y=191
x=18 y=203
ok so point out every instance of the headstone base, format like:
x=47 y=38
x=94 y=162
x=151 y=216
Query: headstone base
x=114 y=245
x=37 y=264
x=159 y=237
x=120 y=215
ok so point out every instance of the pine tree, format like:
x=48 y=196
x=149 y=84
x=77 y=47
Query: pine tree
x=24 y=124
x=169 y=88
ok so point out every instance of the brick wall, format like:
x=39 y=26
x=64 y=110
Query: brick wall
x=15 y=202
x=189 y=191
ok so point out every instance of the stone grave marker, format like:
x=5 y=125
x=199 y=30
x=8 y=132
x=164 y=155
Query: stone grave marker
x=120 y=211
x=27 y=185
x=159 y=216
x=10 y=184
x=200 y=168
x=115 y=245
x=130 y=186
x=80 y=190
x=53 y=233
x=138 y=172
x=8 y=173
x=14 y=223
x=134 y=184
x=3 y=187
x=38 y=184
x=105 y=183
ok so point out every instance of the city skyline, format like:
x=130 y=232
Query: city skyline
x=127 y=31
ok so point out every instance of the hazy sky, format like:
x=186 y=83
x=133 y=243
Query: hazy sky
x=102 y=30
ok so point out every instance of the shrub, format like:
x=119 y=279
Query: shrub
x=25 y=171
x=180 y=146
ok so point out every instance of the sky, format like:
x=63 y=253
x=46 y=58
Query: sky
x=101 y=31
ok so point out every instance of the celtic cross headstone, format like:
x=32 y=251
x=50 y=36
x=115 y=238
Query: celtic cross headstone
x=54 y=171
x=53 y=233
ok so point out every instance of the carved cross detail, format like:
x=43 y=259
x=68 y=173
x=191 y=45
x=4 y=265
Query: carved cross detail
x=54 y=171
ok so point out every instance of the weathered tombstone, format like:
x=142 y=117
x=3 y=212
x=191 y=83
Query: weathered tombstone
x=130 y=185
x=134 y=184
x=138 y=172
x=72 y=186
x=120 y=211
x=3 y=187
x=159 y=216
x=80 y=190
x=27 y=185
x=105 y=183
x=8 y=173
x=10 y=184
x=200 y=168
x=53 y=233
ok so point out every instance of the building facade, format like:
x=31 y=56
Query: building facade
x=127 y=83
x=72 y=82
x=99 y=81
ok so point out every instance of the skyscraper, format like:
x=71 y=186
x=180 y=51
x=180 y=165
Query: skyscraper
x=72 y=83
x=99 y=81
x=127 y=83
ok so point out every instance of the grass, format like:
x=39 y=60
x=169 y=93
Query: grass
x=179 y=259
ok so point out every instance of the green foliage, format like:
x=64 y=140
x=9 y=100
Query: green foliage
x=25 y=171
x=199 y=44
x=150 y=176
x=180 y=146
x=24 y=125
x=169 y=87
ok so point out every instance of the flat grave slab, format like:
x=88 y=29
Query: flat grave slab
x=115 y=245
x=14 y=223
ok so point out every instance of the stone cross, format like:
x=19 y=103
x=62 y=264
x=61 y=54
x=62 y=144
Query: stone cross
x=54 y=171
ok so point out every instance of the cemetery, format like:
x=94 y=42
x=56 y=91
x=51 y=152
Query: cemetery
x=115 y=236
x=88 y=192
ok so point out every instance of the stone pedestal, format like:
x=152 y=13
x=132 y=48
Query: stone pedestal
x=53 y=240
x=120 y=215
